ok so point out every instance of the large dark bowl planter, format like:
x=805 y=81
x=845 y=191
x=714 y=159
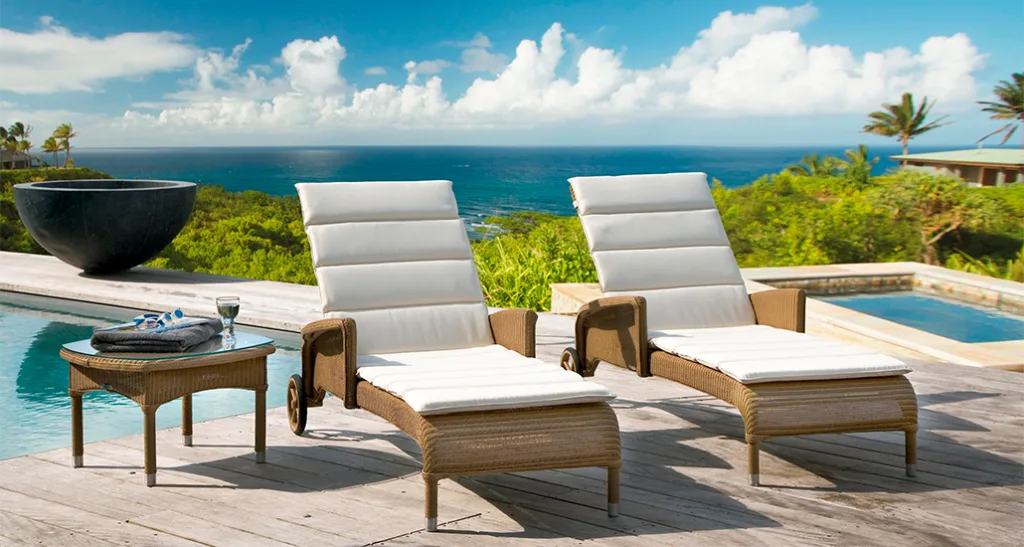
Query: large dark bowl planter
x=104 y=226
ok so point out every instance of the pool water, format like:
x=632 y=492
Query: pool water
x=936 y=315
x=35 y=410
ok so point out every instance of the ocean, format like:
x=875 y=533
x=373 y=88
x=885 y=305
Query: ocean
x=487 y=180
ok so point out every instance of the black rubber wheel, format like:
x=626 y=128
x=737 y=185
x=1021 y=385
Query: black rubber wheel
x=571 y=361
x=296 y=404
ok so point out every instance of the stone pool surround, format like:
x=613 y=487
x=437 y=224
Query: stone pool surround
x=834 y=321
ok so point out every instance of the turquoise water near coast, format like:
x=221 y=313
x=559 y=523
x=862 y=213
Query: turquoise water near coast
x=488 y=180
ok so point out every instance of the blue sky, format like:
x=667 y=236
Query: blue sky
x=602 y=72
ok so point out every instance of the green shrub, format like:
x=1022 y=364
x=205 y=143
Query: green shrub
x=37 y=174
x=517 y=268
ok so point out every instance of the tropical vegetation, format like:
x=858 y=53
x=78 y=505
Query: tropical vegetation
x=903 y=121
x=788 y=219
x=1009 y=105
x=16 y=139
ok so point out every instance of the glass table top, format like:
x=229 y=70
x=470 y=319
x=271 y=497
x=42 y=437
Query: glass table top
x=243 y=340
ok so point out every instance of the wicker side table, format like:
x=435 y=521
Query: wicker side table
x=154 y=379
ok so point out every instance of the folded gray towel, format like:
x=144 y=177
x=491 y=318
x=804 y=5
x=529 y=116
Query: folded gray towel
x=171 y=341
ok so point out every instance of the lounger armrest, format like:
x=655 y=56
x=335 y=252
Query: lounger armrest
x=780 y=308
x=516 y=329
x=613 y=329
x=329 y=359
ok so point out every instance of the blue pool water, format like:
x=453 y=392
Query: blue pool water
x=35 y=410
x=936 y=315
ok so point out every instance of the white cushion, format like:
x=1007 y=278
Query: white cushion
x=475 y=379
x=661 y=237
x=395 y=257
x=759 y=353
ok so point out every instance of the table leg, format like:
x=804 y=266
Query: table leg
x=261 y=426
x=77 y=448
x=150 y=450
x=186 y=420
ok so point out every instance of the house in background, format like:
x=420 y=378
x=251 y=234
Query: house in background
x=10 y=159
x=981 y=167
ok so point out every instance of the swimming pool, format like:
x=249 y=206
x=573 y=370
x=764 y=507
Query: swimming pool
x=936 y=315
x=35 y=410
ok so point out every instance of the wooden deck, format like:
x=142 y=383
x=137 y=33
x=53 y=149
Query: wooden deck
x=353 y=480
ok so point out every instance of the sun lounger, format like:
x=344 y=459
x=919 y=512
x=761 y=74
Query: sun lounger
x=675 y=306
x=407 y=336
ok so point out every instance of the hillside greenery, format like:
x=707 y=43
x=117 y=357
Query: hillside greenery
x=793 y=218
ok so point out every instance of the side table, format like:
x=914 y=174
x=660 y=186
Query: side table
x=154 y=379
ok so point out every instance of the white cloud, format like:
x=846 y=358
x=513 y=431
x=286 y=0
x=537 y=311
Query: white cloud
x=53 y=59
x=375 y=71
x=312 y=67
x=424 y=67
x=480 y=60
x=477 y=58
x=480 y=40
x=743 y=64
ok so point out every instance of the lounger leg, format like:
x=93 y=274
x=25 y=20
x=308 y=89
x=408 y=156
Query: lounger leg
x=753 y=464
x=431 y=503
x=911 y=442
x=186 y=420
x=613 y=492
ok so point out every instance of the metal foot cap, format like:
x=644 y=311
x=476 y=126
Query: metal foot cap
x=613 y=509
x=911 y=469
x=431 y=524
x=261 y=457
x=186 y=440
x=78 y=461
x=151 y=479
x=755 y=479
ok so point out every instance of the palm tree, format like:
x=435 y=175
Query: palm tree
x=857 y=166
x=902 y=121
x=1009 y=106
x=8 y=142
x=25 y=147
x=51 y=146
x=20 y=131
x=813 y=166
x=64 y=133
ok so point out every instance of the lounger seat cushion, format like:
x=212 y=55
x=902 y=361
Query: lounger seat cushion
x=758 y=353
x=475 y=379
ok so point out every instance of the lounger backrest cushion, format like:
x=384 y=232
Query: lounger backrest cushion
x=395 y=257
x=661 y=237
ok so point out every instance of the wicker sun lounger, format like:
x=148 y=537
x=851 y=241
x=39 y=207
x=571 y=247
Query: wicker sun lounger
x=407 y=336
x=676 y=307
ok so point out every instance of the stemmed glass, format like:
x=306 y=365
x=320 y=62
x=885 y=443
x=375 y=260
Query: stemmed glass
x=227 y=307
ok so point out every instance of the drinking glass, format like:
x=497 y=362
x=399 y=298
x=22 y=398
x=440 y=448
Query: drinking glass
x=227 y=307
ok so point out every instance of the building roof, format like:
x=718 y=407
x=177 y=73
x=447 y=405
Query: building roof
x=990 y=156
x=8 y=154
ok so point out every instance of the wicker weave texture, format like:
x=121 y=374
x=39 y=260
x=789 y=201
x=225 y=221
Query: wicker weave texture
x=582 y=435
x=801 y=408
x=156 y=387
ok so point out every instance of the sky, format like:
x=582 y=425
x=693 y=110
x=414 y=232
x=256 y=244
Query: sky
x=601 y=72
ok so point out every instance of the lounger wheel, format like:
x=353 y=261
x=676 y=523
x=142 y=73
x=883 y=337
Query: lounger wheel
x=571 y=361
x=296 y=404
